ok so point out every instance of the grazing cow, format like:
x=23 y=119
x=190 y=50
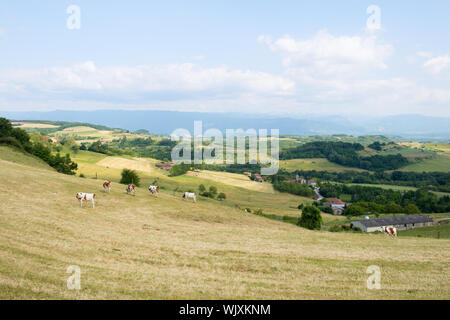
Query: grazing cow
x=131 y=189
x=107 y=186
x=390 y=231
x=154 y=190
x=190 y=195
x=81 y=196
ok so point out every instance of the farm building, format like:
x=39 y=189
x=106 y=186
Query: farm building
x=165 y=166
x=399 y=222
x=258 y=177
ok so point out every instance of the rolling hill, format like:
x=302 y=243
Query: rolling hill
x=144 y=247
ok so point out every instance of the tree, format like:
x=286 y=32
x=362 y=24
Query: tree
x=5 y=128
x=130 y=176
x=311 y=218
x=393 y=207
x=221 y=196
x=412 y=209
x=213 y=190
x=201 y=188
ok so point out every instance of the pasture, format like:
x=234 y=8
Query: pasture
x=441 y=230
x=164 y=248
x=318 y=164
x=436 y=163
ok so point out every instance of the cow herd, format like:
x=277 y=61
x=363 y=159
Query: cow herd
x=131 y=189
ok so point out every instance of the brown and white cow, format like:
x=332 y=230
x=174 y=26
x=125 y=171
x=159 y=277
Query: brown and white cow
x=131 y=188
x=154 y=190
x=390 y=231
x=81 y=196
x=107 y=186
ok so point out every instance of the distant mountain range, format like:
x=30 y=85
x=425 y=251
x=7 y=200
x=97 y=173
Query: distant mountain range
x=164 y=122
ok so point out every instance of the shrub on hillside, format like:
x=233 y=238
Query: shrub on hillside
x=222 y=196
x=311 y=218
x=130 y=176
x=335 y=228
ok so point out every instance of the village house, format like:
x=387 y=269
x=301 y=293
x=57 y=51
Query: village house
x=399 y=222
x=312 y=183
x=318 y=197
x=165 y=166
x=258 y=177
x=337 y=205
x=299 y=179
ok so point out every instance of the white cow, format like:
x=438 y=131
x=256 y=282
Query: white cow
x=189 y=195
x=81 y=196
x=154 y=190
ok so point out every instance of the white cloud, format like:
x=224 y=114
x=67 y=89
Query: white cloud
x=185 y=77
x=330 y=54
x=437 y=64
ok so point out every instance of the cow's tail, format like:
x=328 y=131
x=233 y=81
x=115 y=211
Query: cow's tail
x=94 y=195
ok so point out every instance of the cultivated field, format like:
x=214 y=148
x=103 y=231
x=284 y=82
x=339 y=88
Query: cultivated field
x=314 y=164
x=144 y=247
x=237 y=180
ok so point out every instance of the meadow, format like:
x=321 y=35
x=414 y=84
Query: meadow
x=143 y=247
x=318 y=164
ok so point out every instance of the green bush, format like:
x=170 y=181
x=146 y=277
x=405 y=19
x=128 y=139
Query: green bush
x=130 y=176
x=311 y=218
x=335 y=228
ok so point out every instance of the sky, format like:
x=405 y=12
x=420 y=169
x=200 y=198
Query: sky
x=368 y=58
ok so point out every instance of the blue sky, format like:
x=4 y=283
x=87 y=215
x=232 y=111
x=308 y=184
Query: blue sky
x=279 y=57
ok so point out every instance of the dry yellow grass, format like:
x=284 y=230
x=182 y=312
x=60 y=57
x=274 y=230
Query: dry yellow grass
x=233 y=179
x=140 y=164
x=146 y=248
x=34 y=125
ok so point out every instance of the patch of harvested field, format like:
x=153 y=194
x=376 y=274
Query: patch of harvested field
x=233 y=179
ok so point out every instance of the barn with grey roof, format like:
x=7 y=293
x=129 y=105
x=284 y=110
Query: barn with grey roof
x=399 y=222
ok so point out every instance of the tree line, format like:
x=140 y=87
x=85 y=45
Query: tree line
x=435 y=181
x=346 y=154
x=20 y=139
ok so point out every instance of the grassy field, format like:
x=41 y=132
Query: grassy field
x=314 y=164
x=442 y=230
x=237 y=180
x=436 y=163
x=144 y=247
x=24 y=125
